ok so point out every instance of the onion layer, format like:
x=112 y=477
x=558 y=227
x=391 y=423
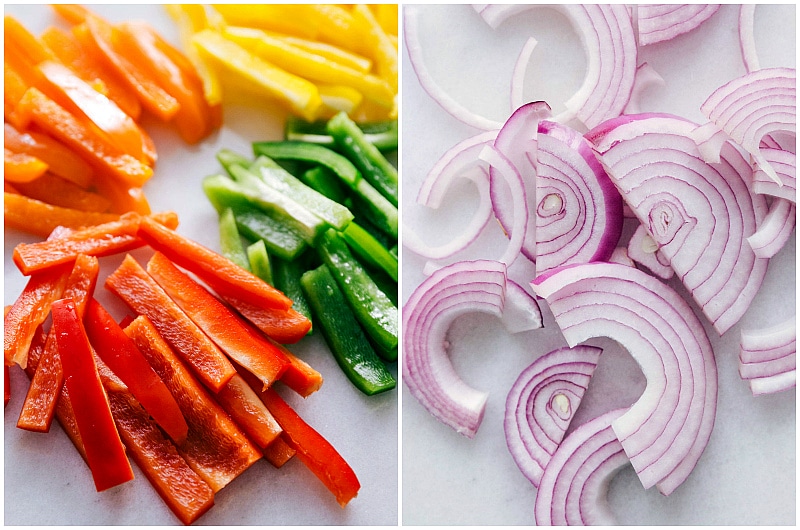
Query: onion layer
x=541 y=405
x=768 y=358
x=662 y=22
x=667 y=429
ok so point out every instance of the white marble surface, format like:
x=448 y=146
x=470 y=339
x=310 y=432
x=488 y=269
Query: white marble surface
x=46 y=482
x=747 y=475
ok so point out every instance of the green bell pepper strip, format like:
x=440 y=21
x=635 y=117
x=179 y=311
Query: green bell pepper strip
x=230 y=239
x=377 y=207
x=344 y=335
x=286 y=275
x=374 y=167
x=229 y=158
x=370 y=250
x=381 y=134
x=325 y=182
x=259 y=262
x=274 y=176
x=372 y=308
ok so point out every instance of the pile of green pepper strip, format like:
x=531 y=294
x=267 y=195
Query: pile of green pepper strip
x=316 y=216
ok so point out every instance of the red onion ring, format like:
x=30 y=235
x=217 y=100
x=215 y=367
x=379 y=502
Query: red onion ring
x=775 y=230
x=541 y=404
x=747 y=40
x=610 y=43
x=666 y=430
x=663 y=22
x=768 y=358
x=518 y=75
x=574 y=486
x=700 y=214
x=644 y=250
x=785 y=165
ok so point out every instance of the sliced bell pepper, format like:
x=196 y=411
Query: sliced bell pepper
x=6 y=385
x=314 y=450
x=381 y=134
x=57 y=191
x=285 y=326
x=230 y=241
x=300 y=376
x=228 y=331
x=286 y=275
x=40 y=401
x=243 y=405
x=21 y=167
x=30 y=309
x=97 y=240
x=221 y=274
x=339 y=98
x=283 y=18
x=105 y=452
x=254 y=223
x=374 y=40
x=259 y=261
x=119 y=353
x=181 y=488
x=144 y=296
x=124 y=198
x=60 y=160
x=39 y=218
x=278 y=452
x=215 y=447
x=370 y=250
x=16 y=37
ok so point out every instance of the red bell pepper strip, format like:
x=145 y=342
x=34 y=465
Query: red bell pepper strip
x=104 y=450
x=244 y=345
x=299 y=375
x=31 y=309
x=250 y=414
x=313 y=449
x=99 y=240
x=119 y=353
x=220 y=273
x=40 y=401
x=285 y=326
x=144 y=296
x=215 y=447
x=184 y=492
x=279 y=452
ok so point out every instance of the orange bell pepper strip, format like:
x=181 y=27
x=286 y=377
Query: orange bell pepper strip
x=72 y=13
x=249 y=412
x=105 y=452
x=218 y=272
x=39 y=218
x=21 y=167
x=119 y=353
x=18 y=38
x=57 y=191
x=60 y=160
x=144 y=296
x=313 y=449
x=85 y=140
x=30 y=309
x=245 y=346
x=279 y=452
x=183 y=491
x=215 y=447
x=97 y=240
x=124 y=198
x=72 y=53
x=14 y=88
x=284 y=326
x=40 y=401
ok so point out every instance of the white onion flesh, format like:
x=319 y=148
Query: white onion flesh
x=644 y=250
x=747 y=40
x=768 y=358
x=784 y=163
x=662 y=22
x=775 y=230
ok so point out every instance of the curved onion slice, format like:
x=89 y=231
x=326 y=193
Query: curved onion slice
x=454 y=290
x=700 y=214
x=753 y=106
x=785 y=165
x=610 y=43
x=518 y=76
x=747 y=40
x=451 y=165
x=662 y=22
x=574 y=487
x=666 y=430
x=441 y=97
x=768 y=358
x=620 y=255
x=644 y=250
x=775 y=230
x=541 y=405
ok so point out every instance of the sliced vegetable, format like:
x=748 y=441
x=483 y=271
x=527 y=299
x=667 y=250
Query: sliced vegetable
x=39 y=218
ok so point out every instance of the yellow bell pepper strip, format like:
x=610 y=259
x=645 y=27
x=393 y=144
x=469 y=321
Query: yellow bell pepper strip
x=39 y=218
x=60 y=160
x=229 y=332
x=387 y=17
x=57 y=191
x=120 y=354
x=301 y=96
x=21 y=167
x=30 y=309
x=336 y=54
x=105 y=452
x=183 y=491
x=218 y=272
x=98 y=240
x=40 y=401
x=374 y=40
x=145 y=297
x=338 y=98
x=335 y=25
x=216 y=448
x=291 y=19
x=243 y=405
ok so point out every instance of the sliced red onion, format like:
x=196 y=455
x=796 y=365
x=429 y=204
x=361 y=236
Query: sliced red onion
x=574 y=487
x=607 y=35
x=747 y=40
x=662 y=22
x=541 y=404
x=457 y=289
x=666 y=430
x=775 y=230
x=785 y=165
x=518 y=75
x=753 y=106
x=521 y=311
x=441 y=97
x=620 y=255
x=453 y=164
x=768 y=358
x=700 y=214
x=644 y=250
